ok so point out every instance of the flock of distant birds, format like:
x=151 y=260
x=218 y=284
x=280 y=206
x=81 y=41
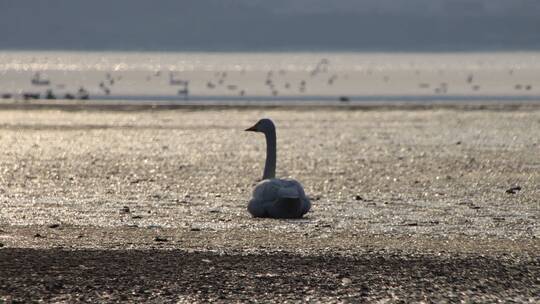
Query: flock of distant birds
x=220 y=80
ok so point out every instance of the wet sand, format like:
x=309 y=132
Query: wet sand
x=408 y=204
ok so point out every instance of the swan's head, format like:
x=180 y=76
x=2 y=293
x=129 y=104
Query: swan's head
x=264 y=125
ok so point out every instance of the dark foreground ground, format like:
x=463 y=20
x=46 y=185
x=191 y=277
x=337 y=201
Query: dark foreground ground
x=434 y=205
x=52 y=275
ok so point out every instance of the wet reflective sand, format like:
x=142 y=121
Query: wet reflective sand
x=150 y=205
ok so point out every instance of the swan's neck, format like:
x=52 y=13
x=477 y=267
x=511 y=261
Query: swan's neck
x=270 y=165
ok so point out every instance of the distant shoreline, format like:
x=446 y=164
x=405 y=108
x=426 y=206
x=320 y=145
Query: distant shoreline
x=208 y=104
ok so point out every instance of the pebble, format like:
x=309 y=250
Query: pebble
x=346 y=281
x=513 y=190
x=160 y=239
x=54 y=226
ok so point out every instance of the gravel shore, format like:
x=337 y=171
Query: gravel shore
x=439 y=204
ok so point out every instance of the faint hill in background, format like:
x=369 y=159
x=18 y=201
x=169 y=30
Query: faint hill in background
x=255 y=25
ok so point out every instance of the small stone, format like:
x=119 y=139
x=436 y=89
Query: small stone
x=160 y=239
x=346 y=281
x=37 y=235
x=206 y=261
x=513 y=190
x=136 y=217
x=358 y=198
x=458 y=142
x=195 y=229
x=125 y=209
x=54 y=226
x=1 y=245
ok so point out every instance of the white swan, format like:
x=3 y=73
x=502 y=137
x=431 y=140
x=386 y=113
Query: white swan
x=276 y=198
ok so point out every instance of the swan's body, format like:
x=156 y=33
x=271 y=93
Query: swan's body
x=276 y=198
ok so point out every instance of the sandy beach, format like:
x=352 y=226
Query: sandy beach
x=433 y=204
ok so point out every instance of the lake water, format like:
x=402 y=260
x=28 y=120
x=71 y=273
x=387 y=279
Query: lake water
x=261 y=77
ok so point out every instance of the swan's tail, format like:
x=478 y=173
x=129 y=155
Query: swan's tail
x=287 y=207
x=288 y=192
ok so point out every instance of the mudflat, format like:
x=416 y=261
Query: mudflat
x=437 y=204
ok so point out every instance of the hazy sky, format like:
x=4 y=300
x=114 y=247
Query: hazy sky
x=214 y=25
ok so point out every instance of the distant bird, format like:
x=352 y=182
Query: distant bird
x=275 y=198
x=302 y=87
x=28 y=96
x=332 y=79
x=344 y=99
x=104 y=88
x=49 y=94
x=38 y=81
x=174 y=81
x=321 y=67
x=185 y=92
x=82 y=93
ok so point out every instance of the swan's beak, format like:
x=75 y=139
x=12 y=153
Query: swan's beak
x=254 y=128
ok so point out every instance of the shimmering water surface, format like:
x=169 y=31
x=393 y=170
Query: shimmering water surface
x=234 y=77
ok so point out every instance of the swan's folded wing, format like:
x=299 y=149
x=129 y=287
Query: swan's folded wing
x=279 y=198
x=288 y=192
x=266 y=190
x=273 y=189
x=298 y=187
